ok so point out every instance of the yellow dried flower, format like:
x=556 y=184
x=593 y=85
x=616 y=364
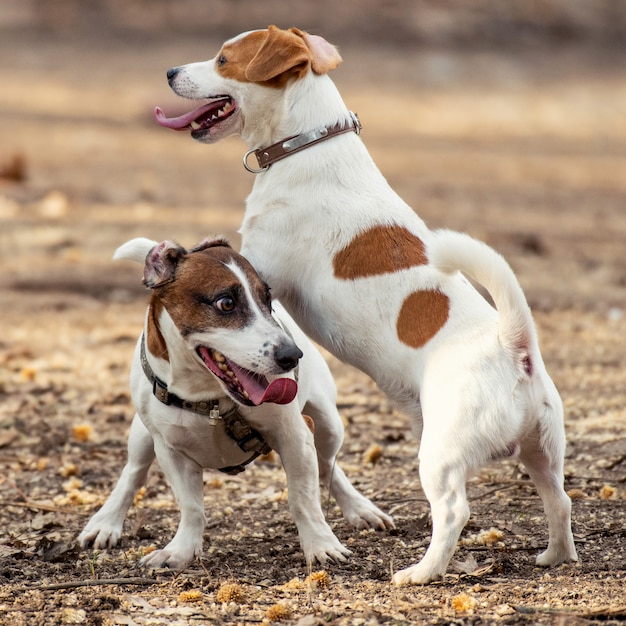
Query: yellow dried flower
x=193 y=595
x=607 y=492
x=295 y=584
x=489 y=537
x=139 y=496
x=463 y=603
x=82 y=432
x=68 y=469
x=318 y=580
x=278 y=612
x=576 y=494
x=484 y=538
x=28 y=374
x=230 y=592
x=373 y=454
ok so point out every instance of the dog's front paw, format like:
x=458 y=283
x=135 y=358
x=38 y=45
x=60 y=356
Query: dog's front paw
x=100 y=535
x=415 y=575
x=172 y=557
x=363 y=514
x=324 y=549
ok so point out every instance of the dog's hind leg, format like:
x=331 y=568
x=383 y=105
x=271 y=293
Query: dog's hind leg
x=105 y=527
x=356 y=508
x=546 y=471
x=443 y=481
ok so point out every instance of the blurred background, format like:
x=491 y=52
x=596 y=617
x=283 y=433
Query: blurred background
x=507 y=119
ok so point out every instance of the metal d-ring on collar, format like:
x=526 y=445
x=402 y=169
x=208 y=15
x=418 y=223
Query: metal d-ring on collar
x=248 y=439
x=277 y=151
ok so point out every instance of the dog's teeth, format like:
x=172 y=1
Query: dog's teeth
x=223 y=367
x=194 y=125
x=219 y=357
x=246 y=395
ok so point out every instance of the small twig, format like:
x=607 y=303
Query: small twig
x=617 y=461
x=40 y=507
x=71 y=584
x=603 y=612
x=500 y=487
x=402 y=501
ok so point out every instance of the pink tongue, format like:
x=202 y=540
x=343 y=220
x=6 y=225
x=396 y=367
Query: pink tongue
x=279 y=391
x=182 y=121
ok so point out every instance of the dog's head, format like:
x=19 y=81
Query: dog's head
x=270 y=58
x=221 y=311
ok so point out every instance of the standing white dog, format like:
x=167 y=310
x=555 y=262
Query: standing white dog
x=212 y=385
x=362 y=275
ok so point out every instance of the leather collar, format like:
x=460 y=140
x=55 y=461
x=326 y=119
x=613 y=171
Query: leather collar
x=286 y=147
x=162 y=394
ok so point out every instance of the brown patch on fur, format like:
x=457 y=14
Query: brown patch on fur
x=309 y=422
x=270 y=57
x=422 y=315
x=202 y=278
x=379 y=250
x=155 y=342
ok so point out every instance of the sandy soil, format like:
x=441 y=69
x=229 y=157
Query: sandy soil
x=524 y=149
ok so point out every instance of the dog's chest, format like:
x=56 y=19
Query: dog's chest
x=203 y=440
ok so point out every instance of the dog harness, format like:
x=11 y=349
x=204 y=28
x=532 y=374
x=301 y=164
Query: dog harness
x=247 y=438
x=282 y=149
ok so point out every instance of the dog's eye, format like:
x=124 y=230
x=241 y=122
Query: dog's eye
x=225 y=304
x=221 y=60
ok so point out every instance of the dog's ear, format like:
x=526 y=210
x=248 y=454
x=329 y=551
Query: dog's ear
x=211 y=242
x=281 y=52
x=324 y=56
x=161 y=263
x=135 y=250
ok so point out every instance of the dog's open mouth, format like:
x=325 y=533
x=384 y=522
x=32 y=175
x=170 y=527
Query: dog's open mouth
x=201 y=119
x=245 y=386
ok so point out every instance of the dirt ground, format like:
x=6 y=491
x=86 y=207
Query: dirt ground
x=524 y=148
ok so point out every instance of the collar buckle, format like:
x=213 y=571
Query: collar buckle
x=159 y=389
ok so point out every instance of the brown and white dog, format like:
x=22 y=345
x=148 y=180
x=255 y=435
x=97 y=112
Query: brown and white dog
x=213 y=387
x=363 y=276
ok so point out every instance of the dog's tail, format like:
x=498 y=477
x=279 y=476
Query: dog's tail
x=451 y=251
x=135 y=250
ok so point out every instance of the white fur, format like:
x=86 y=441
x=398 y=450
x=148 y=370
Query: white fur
x=184 y=443
x=467 y=389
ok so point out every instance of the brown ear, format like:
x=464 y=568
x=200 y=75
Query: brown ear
x=324 y=56
x=211 y=242
x=161 y=263
x=282 y=51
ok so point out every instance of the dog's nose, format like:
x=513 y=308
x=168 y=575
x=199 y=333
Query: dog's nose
x=287 y=356
x=171 y=73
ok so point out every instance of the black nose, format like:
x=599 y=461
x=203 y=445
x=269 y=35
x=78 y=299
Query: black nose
x=171 y=73
x=287 y=356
